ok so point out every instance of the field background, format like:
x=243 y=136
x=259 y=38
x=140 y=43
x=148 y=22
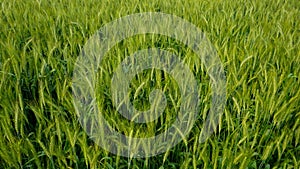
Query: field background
x=257 y=41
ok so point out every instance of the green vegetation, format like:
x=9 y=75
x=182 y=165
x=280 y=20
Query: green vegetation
x=258 y=43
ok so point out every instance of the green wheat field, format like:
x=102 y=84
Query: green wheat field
x=257 y=41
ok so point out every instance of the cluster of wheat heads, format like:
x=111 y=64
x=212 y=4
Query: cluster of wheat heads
x=258 y=43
